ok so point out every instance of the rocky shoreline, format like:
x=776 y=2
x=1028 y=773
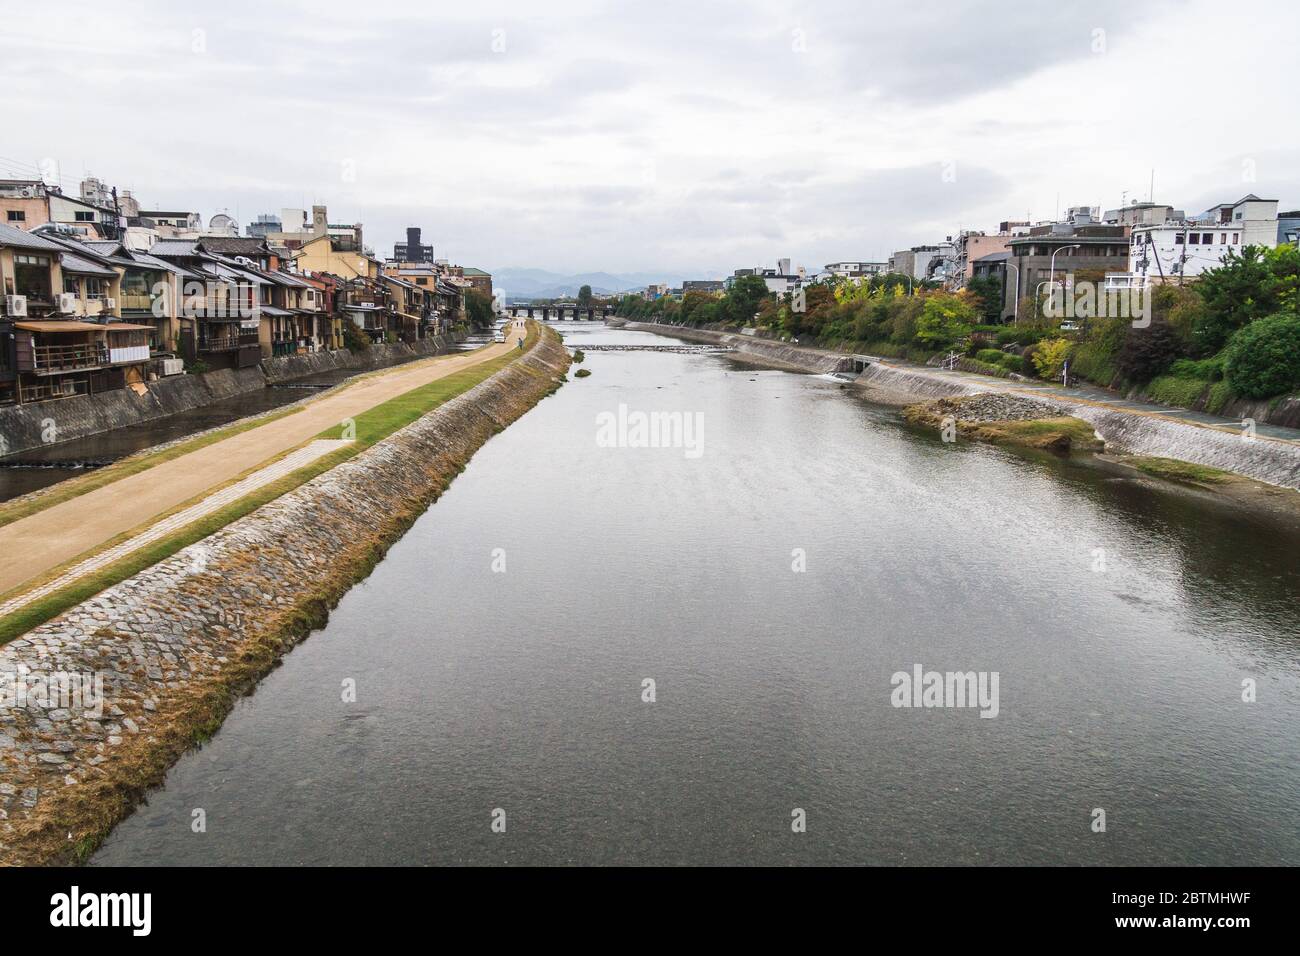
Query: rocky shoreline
x=159 y=659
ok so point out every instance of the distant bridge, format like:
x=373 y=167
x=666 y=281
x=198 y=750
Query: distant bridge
x=576 y=313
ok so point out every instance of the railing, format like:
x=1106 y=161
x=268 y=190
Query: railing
x=55 y=358
x=43 y=391
x=226 y=342
x=136 y=301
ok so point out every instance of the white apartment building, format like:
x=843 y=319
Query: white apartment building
x=856 y=270
x=1185 y=248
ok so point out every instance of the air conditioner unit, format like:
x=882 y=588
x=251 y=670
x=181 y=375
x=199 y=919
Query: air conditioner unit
x=173 y=366
x=27 y=192
x=67 y=302
x=110 y=303
x=16 y=305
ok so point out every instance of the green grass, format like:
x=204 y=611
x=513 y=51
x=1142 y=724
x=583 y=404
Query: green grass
x=1176 y=390
x=1175 y=470
x=372 y=426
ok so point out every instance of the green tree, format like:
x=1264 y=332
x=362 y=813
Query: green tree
x=584 y=297
x=944 y=320
x=1263 y=359
x=1249 y=285
x=479 y=308
x=744 y=298
x=1147 y=352
x=987 y=292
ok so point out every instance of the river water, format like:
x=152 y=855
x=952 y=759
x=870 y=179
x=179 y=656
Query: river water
x=1120 y=615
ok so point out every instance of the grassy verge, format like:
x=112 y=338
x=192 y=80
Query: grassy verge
x=75 y=487
x=1184 y=471
x=372 y=426
x=1053 y=434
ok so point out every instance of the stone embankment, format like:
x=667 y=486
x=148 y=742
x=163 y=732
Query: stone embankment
x=1132 y=432
x=23 y=427
x=177 y=643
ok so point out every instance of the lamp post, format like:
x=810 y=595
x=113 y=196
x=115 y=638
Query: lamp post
x=1015 y=303
x=1051 y=272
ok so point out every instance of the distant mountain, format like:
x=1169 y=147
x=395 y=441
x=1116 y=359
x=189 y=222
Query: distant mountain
x=541 y=284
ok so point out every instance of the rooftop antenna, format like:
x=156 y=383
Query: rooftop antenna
x=1151 y=196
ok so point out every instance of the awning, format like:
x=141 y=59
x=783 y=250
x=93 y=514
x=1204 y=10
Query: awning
x=57 y=325
x=274 y=311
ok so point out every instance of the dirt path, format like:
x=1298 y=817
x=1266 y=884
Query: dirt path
x=35 y=544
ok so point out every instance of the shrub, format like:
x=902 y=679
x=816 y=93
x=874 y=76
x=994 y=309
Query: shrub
x=1012 y=363
x=1147 y=352
x=1208 y=370
x=1173 y=390
x=1050 y=357
x=1263 y=359
x=1020 y=335
x=992 y=356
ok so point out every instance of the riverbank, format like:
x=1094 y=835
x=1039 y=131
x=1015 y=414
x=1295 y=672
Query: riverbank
x=39 y=425
x=1139 y=431
x=176 y=644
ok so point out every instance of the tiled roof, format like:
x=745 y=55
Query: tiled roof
x=78 y=265
x=174 y=247
x=233 y=245
x=18 y=239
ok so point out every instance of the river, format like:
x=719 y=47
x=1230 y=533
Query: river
x=1121 y=617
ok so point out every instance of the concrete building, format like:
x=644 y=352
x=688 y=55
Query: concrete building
x=412 y=250
x=856 y=270
x=914 y=262
x=1079 y=243
x=1178 y=249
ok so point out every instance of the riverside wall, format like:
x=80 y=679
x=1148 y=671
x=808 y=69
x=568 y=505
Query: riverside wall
x=175 y=644
x=23 y=427
x=1132 y=432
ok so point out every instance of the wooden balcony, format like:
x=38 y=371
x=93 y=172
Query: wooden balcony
x=51 y=359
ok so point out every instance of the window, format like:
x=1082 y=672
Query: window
x=1178 y=239
x=17 y=215
x=1194 y=239
x=1235 y=237
x=1223 y=239
x=1207 y=239
x=80 y=216
x=70 y=284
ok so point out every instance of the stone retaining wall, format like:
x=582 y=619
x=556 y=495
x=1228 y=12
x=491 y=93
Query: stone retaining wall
x=177 y=642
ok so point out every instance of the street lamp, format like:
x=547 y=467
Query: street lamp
x=1015 y=303
x=1051 y=273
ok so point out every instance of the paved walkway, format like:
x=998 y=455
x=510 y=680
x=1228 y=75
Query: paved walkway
x=34 y=545
x=215 y=502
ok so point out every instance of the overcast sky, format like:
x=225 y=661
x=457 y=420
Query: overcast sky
x=689 y=137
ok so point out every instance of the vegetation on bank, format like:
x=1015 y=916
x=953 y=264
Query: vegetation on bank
x=1175 y=470
x=1233 y=333
x=1059 y=434
x=372 y=426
